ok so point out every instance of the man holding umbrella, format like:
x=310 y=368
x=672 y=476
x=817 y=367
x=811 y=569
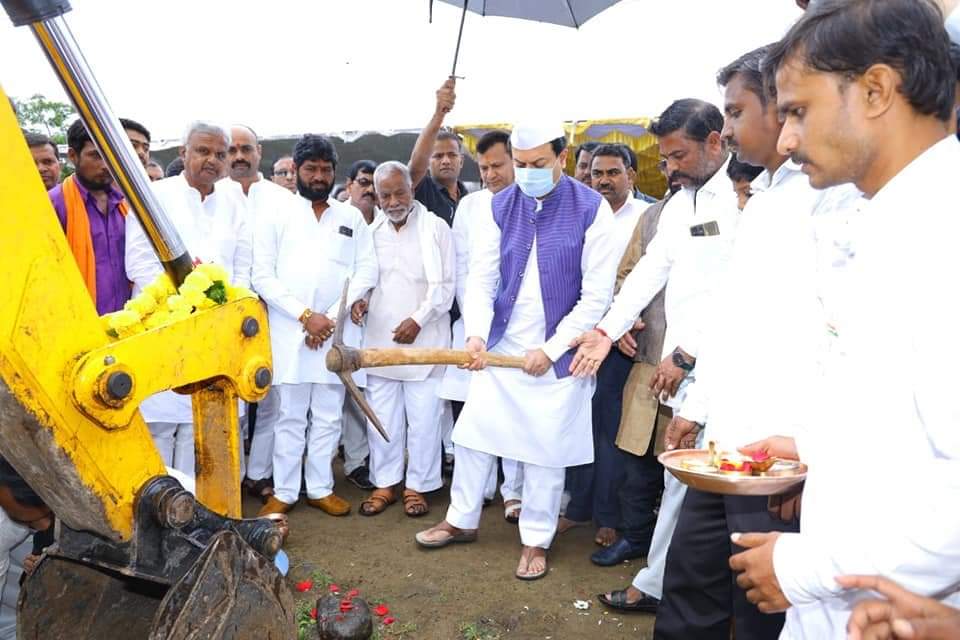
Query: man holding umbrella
x=549 y=243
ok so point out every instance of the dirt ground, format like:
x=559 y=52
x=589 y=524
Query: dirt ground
x=462 y=592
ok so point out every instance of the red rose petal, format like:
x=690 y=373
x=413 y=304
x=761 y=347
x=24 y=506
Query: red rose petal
x=381 y=610
x=389 y=620
x=353 y=593
x=334 y=588
x=313 y=613
x=760 y=456
x=304 y=585
x=345 y=606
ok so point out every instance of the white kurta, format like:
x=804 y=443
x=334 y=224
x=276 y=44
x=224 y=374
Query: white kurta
x=687 y=264
x=216 y=229
x=456 y=381
x=883 y=487
x=405 y=284
x=301 y=262
x=766 y=309
x=543 y=420
x=625 y=219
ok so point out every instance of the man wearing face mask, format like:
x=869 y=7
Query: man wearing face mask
x=409 y=306
x=549 y=241
x=214 y=222
x=302 y=257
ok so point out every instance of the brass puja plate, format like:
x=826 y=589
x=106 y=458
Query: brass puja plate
x=693 y=468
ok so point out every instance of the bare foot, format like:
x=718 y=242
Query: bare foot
x=565 y=524
x=605 y=536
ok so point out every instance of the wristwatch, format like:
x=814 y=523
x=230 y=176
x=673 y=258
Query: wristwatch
x=305 y=316
x=680 y=361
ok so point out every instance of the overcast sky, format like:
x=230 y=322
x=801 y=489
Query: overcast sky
x=347 y=65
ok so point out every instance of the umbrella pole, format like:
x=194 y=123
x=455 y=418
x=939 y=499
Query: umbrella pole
x=456 y=53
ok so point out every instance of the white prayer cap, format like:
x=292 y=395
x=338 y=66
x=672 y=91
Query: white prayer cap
x=528 y=135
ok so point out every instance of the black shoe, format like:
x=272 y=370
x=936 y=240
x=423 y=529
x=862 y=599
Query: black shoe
x=616 y=553
x=360 y=477
x=618 y=601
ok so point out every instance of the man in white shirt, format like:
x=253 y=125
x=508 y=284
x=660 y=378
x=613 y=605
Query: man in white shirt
x=409 y=306
x=541 y=271
x=872 y=106
x=214 y=222
x=495 y=161
x=302 y=257
x=766 y=302
x=691 y=247
x=266 y=201
x=593 y=488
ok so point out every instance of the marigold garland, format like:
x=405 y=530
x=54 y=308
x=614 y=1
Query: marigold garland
x=160 y=303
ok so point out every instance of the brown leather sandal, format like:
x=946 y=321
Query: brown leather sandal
x=414 y=504
x=379 y=500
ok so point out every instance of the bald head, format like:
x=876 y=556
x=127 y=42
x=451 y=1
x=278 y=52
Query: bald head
x=244 y=153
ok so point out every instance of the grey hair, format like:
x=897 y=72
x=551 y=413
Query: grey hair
x=390 y=167
x=202 y=126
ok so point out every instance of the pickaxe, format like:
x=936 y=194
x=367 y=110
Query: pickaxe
x=344 y=360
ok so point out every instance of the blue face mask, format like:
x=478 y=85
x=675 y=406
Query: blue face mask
x=536 y=183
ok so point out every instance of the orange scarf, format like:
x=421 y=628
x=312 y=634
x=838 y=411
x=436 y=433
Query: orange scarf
x=78 y=233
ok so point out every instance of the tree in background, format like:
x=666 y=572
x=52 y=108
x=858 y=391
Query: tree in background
x=41 y=115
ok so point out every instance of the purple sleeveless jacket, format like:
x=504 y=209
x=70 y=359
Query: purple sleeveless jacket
x=559 y=228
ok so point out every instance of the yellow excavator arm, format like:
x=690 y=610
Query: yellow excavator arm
x=134 y=550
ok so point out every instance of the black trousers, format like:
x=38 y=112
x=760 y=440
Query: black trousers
x=639 y=497
x=593 y=487
x=700 y=593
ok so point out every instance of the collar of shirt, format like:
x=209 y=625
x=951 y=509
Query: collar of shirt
x=765 y=182
x=718 y=182
x=114 y=196
x=933 y=166
x=627 y=205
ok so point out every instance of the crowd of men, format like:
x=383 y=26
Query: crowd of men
x=750 y=305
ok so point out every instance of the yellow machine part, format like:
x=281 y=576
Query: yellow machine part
x=87 y=457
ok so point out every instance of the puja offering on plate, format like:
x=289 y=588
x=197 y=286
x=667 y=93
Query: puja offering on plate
x=731 y=473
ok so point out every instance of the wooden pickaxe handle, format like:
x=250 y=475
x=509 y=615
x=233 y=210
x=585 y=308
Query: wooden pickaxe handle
x=399 y=356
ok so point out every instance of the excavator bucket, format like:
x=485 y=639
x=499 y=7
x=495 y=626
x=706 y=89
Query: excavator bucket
x=229 y=592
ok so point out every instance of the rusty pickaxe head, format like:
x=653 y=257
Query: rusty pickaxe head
x=344 y=360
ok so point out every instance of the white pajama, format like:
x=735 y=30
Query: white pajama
x=320 y=436
x=353 y=436
x=650 y=578
x=543 y=487
x=410 y=413
x=174 y=441
x=512 y=486
x=260 y=465
x=446 y=424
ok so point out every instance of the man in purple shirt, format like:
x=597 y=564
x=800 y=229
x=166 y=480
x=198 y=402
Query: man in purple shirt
x=105 y=213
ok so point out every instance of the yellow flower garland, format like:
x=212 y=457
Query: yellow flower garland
x=161 y=304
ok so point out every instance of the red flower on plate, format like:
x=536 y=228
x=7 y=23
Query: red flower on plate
x=345 y=605
x=334 y=588
x=389 y=620
x=304 y=585
x=381 y=610
x=760 y=456
x=313 y=613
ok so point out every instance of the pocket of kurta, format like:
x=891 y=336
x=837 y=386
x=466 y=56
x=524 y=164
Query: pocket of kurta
x=342 y=250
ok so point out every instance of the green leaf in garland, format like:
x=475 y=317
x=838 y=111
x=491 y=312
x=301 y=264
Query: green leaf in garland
x=217 y=292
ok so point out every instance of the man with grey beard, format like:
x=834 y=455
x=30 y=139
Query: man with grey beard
x=409 y=306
